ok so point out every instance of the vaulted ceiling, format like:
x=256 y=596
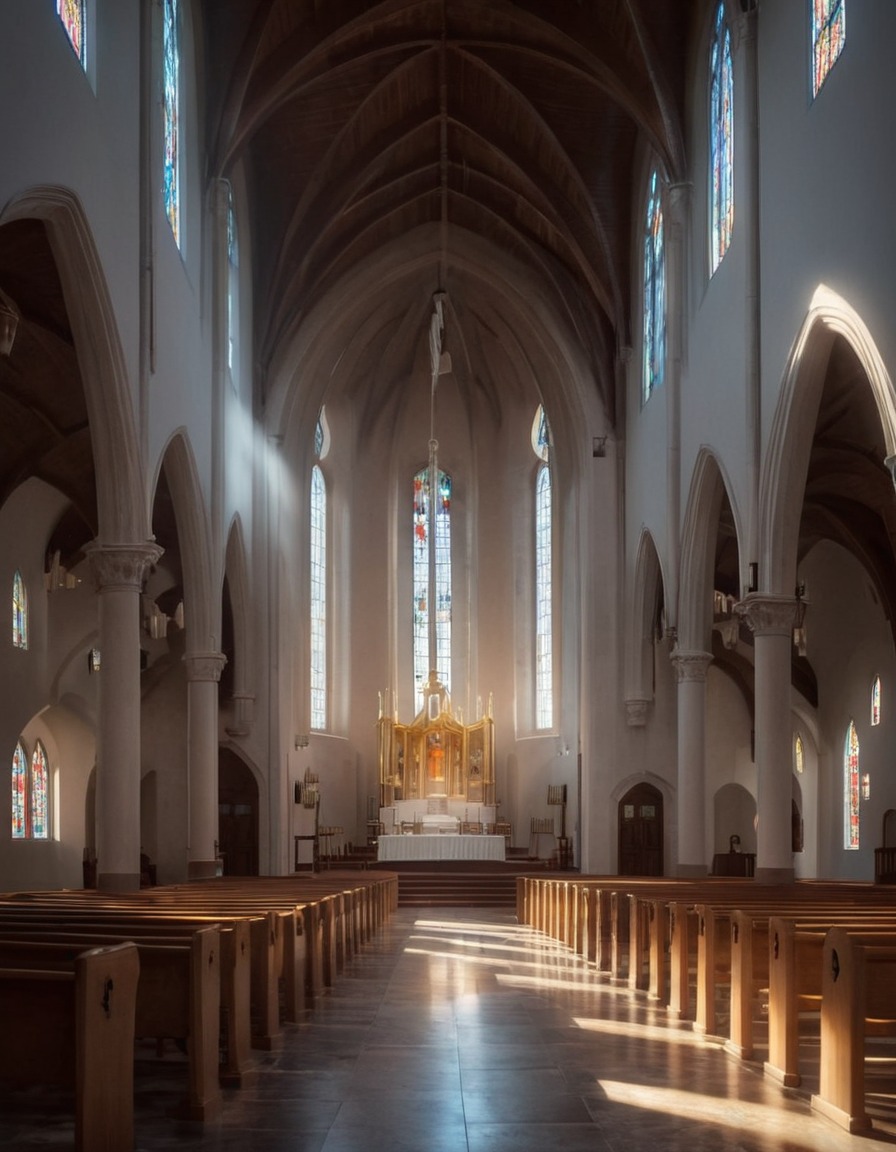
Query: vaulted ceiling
x=483 y=149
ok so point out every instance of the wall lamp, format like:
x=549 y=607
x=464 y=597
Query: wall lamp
x=301 y=741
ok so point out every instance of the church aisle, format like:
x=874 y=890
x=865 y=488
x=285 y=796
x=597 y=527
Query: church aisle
x=458 y=1030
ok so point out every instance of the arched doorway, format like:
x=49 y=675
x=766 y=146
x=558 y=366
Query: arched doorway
x=641 y=832
x=237 y=816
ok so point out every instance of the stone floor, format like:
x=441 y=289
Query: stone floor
x=461 y=1031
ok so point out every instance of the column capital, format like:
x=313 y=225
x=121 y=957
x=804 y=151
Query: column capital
x=690 y=666
x=122 y=566
x=204 y=665
x=766 y=614
x=636 y=712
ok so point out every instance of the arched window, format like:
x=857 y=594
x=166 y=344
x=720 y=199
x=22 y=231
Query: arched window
x=40 y=793
x=828 y=38
x=721 y=141
x=30 y=794
x=851 y=788
x=654 y=290
x=19 y=612
x=171 y=114
x=71 y=13
x=875 y=701
x=318 y=599
x=544 y=645
x=233 y=284
x=799 y=761
x=432 y=579
x=20 y=791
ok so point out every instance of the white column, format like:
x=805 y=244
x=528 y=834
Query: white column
x=203 y=674
x=771 y=620
x=691 y=669
x=119 y=571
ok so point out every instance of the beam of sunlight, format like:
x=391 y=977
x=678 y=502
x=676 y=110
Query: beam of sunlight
x=589 y=982
x=666 y=1034
x=694 y=1106
x=482 y=961
x=466 y=942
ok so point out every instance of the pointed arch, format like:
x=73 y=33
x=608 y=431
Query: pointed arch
x=793 y=428
x=122 y=508
x=709 y=488
x=644 y=609
x=202 y=607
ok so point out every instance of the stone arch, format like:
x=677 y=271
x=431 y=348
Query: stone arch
x=708 y=488
x=122 y=508
x=641 y=629
x=241 y=655
x=202 y=607
x=793 y=428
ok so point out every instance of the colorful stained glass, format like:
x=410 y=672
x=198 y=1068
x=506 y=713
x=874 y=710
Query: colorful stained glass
x=318 y=599
x=19 y=794
x=19 y=612
x=435 y=559
x=40 y=794
x=851 y=789
x=233 y=280
x=828 y=38
x=71 y=13
x=654 y=290
x=721 y=141
x=170 y=114
x=875 y=701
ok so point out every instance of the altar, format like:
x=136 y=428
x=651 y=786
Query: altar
x=440 y=846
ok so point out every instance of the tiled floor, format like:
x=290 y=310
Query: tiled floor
x=460 y=1031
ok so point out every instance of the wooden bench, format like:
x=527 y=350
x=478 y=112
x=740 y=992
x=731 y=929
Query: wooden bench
x=178 y=997
x=72 y=1021
x=858 y=998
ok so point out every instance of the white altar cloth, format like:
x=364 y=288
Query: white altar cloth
x=441 y=846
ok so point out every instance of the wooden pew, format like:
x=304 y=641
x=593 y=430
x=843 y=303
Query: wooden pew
x=45 y=920
x=858 y=998
x=73 y=1020
x=178 y=997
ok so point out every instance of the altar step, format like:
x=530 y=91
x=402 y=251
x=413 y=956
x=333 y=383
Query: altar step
x=461 y=889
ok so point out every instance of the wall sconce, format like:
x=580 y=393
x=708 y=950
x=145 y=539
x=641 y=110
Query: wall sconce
x=301 y=741
x=93 y=661
x=799 y=620
x=9 y=323
x=598 y=446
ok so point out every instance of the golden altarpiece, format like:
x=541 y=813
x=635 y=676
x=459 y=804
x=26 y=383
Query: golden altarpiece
x=437 y=763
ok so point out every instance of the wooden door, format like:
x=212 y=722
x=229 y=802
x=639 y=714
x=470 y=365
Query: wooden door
x=237 y=816
x=641 y=832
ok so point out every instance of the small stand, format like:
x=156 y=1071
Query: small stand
x=307 y=793
x=557 y=799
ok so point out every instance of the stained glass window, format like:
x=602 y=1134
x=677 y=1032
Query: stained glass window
x=19 y=612
x=19 y=794
x=851 y=788
x=40 y=793
x=544 y=664
x=828 y=38
x=432 y=558
x=721 y=140
x=30 y=794
x=233 y=268
x=71 y=13
x=171 y=114
x=798 y=754
x=875 y=701
x=654 y=290
x=318 y=599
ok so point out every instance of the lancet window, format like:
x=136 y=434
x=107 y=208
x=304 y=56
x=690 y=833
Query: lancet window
x=828 y=38
x=721 y=140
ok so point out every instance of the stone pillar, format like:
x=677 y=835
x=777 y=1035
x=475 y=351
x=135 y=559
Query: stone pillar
x=119 y=571
x=691 y=669
x=771 y=620
x=203 y=673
